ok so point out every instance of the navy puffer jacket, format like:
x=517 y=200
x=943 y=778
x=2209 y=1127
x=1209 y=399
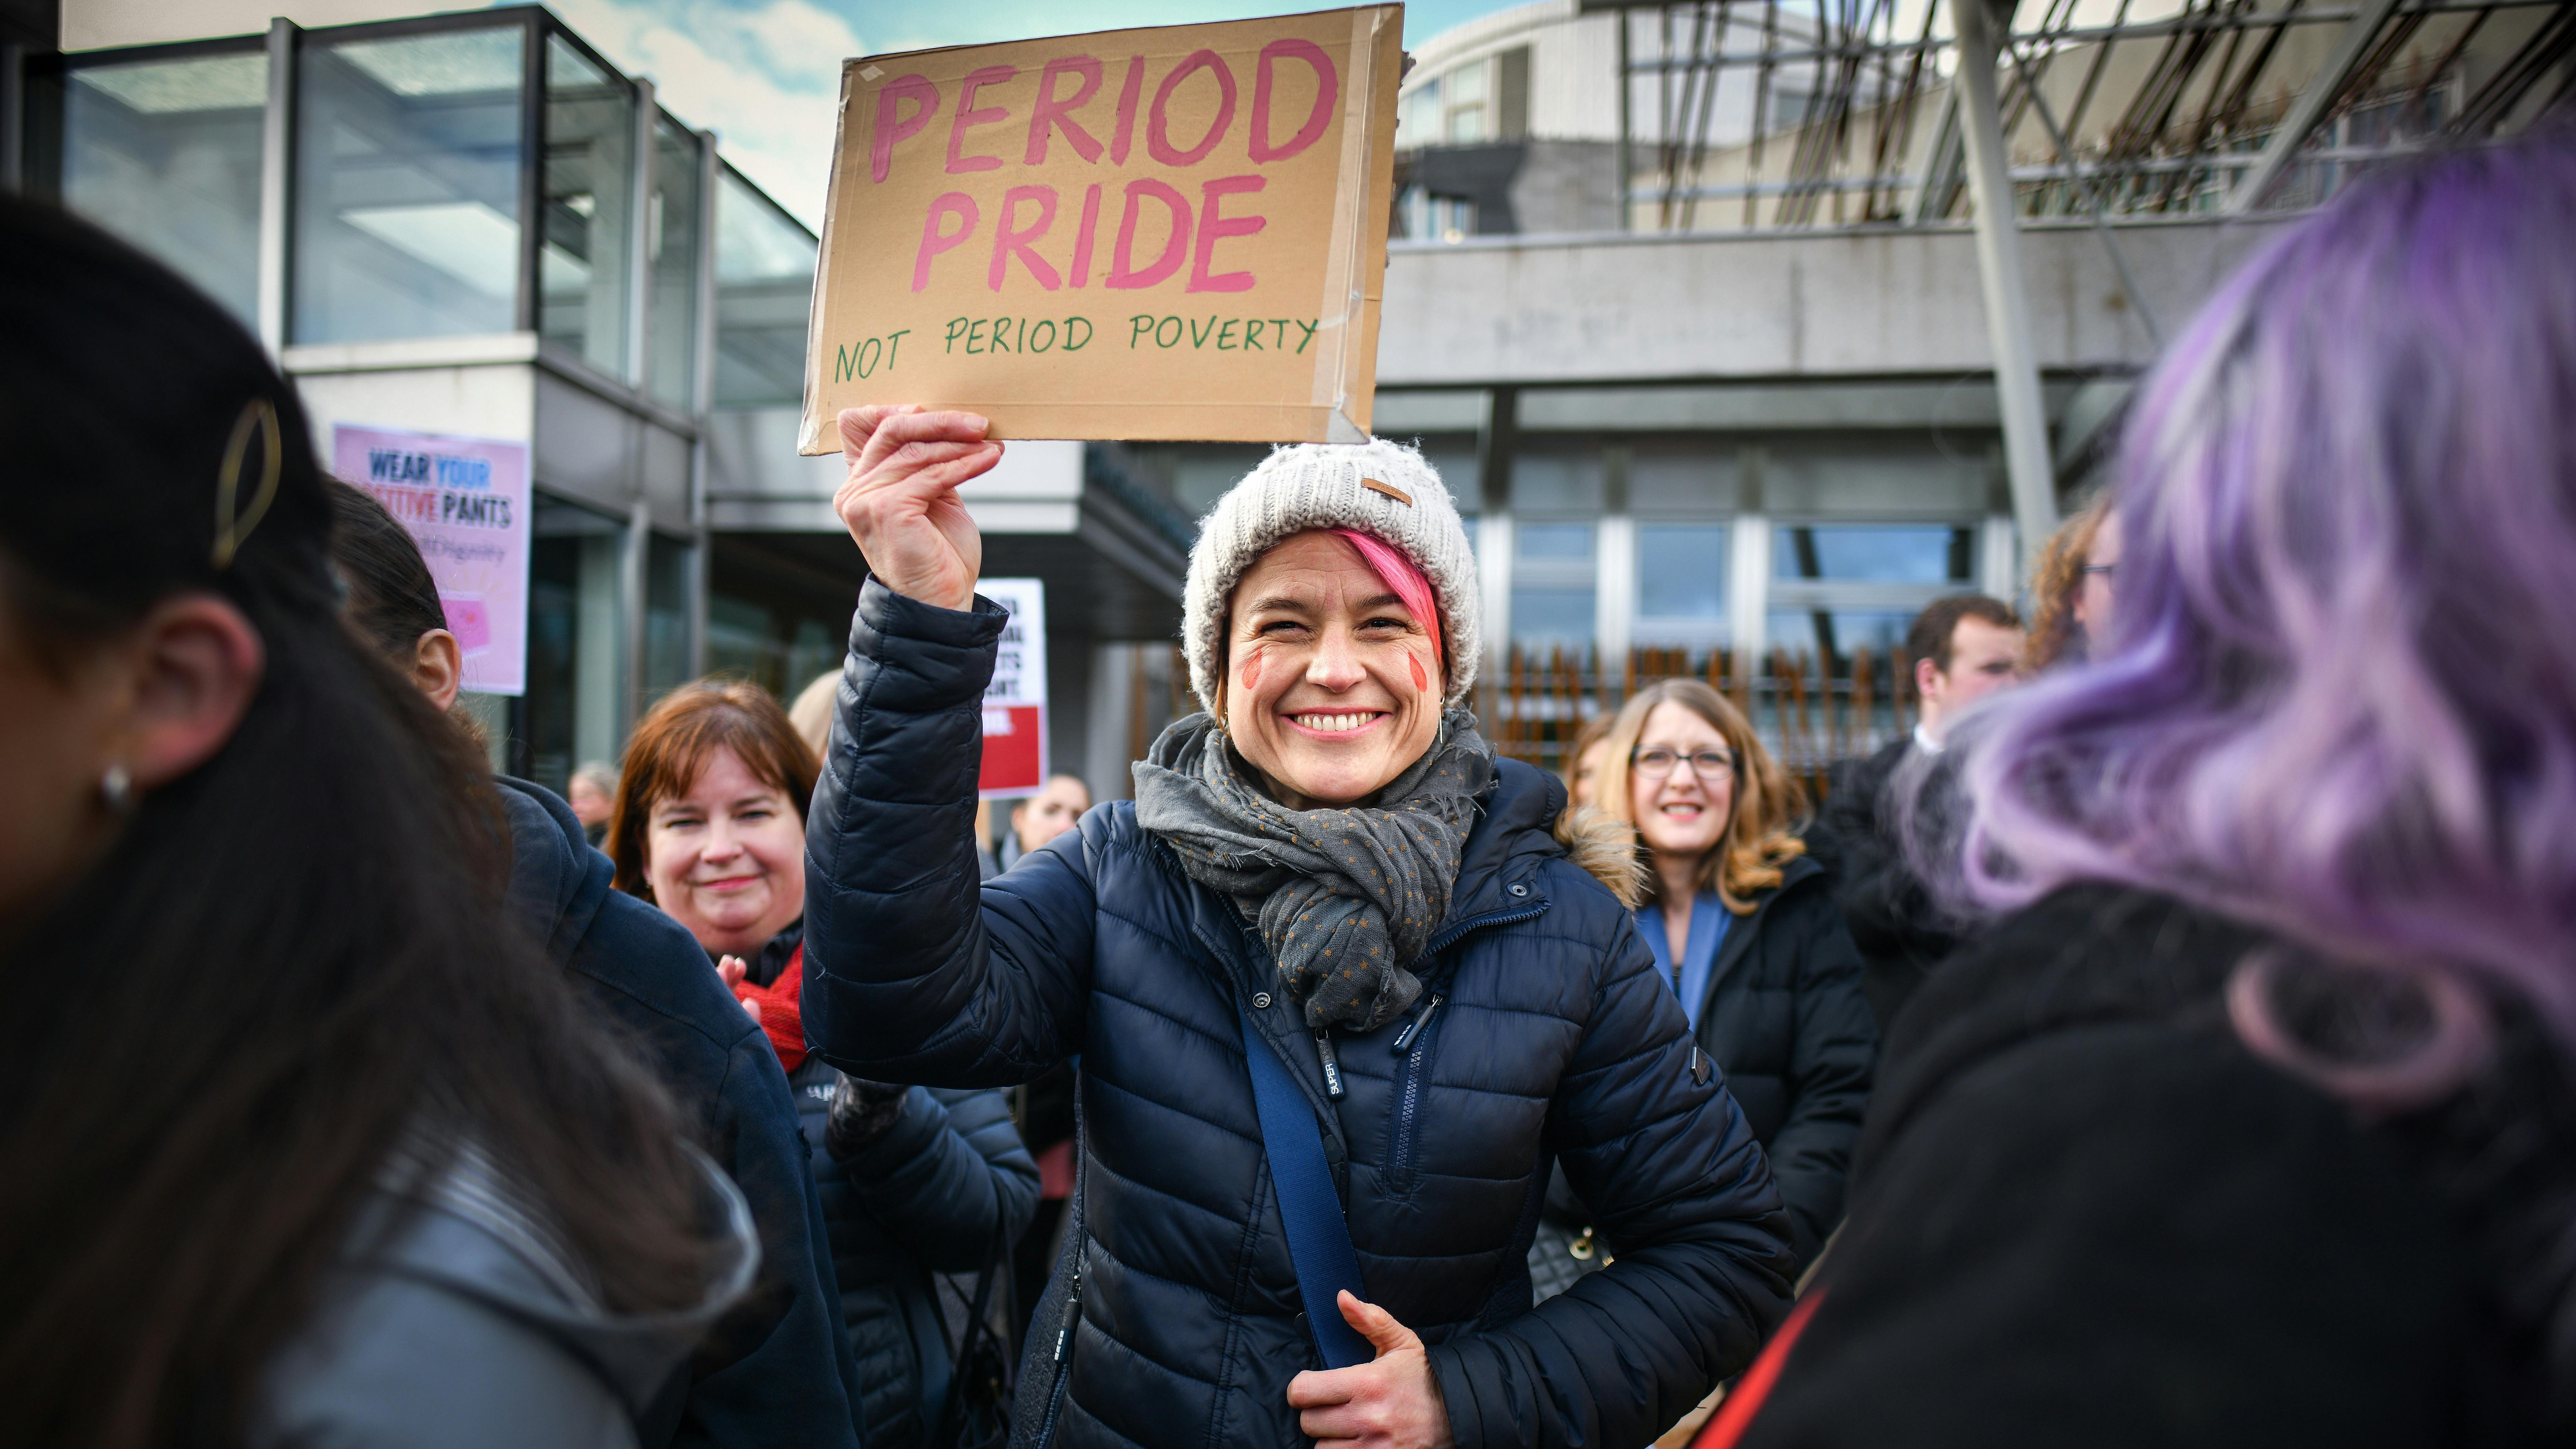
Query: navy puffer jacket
x=945 y=1190
x=1556 y=1042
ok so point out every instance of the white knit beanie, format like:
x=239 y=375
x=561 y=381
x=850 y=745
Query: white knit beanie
x=1382 y=489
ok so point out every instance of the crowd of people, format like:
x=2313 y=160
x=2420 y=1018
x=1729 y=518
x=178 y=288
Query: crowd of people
x=2166 y=1040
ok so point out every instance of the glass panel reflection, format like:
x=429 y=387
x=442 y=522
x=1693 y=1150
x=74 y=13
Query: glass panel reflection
x=1681 y=572
x=166 y=155
x=764 y=281
x=1882 y=553
x=671 y=249
x=1551 y=614
x=589 y=180
x=407 y=187
x=1555 y=541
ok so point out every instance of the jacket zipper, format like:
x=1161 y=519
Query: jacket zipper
x=1063 y=1353
x=1414 y=1044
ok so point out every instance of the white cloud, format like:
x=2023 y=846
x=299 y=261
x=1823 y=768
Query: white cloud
x=765 y=78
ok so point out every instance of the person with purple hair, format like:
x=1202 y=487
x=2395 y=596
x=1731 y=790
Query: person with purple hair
x=2250 y=1119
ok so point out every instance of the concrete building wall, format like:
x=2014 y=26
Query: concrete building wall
x=1779 y=305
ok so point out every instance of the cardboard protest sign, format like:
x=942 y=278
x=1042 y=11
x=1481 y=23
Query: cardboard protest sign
x=1167 y=233
x=1015 y=703
x=465 y=502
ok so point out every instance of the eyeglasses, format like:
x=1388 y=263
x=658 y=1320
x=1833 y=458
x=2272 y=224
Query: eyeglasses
x=2105 y=570
x=1656 y=763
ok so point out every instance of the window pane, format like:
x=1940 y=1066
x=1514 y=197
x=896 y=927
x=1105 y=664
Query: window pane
x=1467 y=83
x=1547 y=614
x=166 y=155
x=407 y=187
x=764 y=279
x=1881 y=553
x=671 y=244
x=1681 y=571
x=1467 y=125
x=666 y=616
x=1555 y=541
x=569 y=714
x=1418 y=123
x=590 y=173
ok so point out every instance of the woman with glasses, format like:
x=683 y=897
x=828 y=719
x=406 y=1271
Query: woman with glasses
x=1745 y=931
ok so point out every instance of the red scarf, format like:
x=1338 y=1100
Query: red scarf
x=782 y=1014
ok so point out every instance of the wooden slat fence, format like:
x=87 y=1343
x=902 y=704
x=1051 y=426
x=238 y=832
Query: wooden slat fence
x=1809 y=717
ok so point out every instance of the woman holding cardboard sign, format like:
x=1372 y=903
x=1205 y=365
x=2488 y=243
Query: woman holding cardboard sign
x=1339 y=995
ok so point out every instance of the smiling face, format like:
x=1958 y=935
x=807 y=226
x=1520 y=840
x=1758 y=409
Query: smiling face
x=727 y=859
x=1684 y=815
x=1331 y=688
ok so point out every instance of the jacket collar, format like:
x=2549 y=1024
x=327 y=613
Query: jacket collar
x=1801 y=873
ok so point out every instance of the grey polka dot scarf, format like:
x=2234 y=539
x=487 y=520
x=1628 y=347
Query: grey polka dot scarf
x=1345 y=899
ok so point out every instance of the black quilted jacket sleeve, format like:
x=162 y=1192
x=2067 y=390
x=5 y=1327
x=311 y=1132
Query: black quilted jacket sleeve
x=890 y=873
x=949 y=1180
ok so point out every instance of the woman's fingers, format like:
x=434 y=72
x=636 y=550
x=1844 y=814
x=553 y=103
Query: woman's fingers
x=897 y=429
x=899 y=501
x=858 y=424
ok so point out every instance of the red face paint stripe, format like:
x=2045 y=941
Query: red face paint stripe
x=1735 y=1413
x=1420 y=680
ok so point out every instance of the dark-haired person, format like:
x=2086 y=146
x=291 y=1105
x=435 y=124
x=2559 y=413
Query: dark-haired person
x=302 y=1144
x=2251 y=1118
x=710 y=826
x=774 y=1371
x=1965 y=648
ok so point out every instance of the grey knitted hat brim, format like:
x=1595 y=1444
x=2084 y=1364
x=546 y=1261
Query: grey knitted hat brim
x=1327 y=485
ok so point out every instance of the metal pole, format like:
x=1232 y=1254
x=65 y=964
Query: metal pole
x=2310 y=106
x=2026 y=461
x=276 y=185
x=638 y=305
x=1627 y=122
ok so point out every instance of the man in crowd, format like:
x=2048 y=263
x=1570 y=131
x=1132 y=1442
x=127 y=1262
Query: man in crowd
x=1964 y=648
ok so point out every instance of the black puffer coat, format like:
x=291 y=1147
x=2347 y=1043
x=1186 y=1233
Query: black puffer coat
x=1556 y=1040
x=945 y=1190
x=2085 y=1213
x=1786 y=1018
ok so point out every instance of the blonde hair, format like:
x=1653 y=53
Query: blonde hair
x=2057 y=580
x=1769 y=807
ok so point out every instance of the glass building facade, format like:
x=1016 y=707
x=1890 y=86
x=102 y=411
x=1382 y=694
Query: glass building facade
x=472 y=224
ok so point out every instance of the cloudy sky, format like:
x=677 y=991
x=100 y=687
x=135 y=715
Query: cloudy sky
x=763 y=74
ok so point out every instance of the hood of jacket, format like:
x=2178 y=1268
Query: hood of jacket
x=468 y=1236
x=557 y=877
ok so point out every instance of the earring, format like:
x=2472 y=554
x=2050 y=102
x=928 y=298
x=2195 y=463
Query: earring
x=116 y=787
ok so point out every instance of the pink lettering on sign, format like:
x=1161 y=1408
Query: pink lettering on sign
x=1010 y=239
x=1123 y=273
x=934 y=241
x=1328 y=89
x=1214 y=227
x=1050 y=114
x=892 y=128
x=971 y=114
x=1158 y=125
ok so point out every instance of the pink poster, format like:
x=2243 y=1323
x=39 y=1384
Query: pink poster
x=465 y=501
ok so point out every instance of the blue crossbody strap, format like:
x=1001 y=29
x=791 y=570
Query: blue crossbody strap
x=1319 y=1239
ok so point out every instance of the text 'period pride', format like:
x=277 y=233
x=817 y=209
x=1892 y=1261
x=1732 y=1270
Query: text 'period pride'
x=981 y=193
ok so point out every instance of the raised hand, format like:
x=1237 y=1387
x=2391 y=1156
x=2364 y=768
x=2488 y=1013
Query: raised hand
x=1389 y=1402
x=900 y=499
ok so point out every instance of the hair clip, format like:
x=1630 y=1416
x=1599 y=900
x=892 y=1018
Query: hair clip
x=1389 y=489
x=232 y=529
